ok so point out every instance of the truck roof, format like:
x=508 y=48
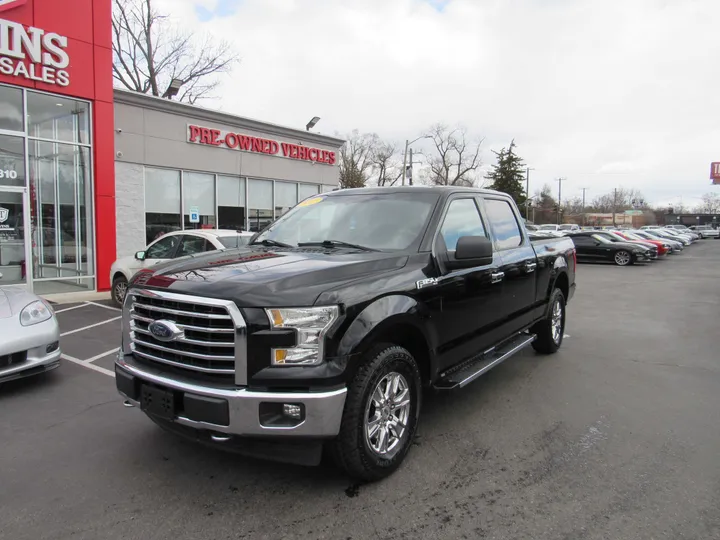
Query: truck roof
x=440 y=190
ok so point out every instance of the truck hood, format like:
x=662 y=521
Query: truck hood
x=258 y=276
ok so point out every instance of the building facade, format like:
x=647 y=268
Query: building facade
x=180 y=166
x=88 y=173
x=57 y=192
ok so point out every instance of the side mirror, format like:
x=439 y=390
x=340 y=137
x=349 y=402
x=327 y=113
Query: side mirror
x=140 y=255
x=472 y=251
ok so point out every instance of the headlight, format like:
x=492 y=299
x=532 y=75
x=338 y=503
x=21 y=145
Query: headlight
x=310 y=325
x=35 y=313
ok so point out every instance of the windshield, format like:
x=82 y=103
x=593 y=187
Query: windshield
x=601 y=239
x=548 y=227
x=375 y=221
x=633 y=236
x=565 y=227
x=616 y=236
x=234 y=241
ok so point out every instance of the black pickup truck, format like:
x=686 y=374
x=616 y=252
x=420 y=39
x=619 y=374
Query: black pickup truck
x=325 y=330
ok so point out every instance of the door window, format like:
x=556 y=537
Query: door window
x=462 y=219
x=192 y=245
x=504 y=224
x=163 y=248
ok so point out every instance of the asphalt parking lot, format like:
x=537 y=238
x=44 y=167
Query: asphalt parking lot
x=615 y=437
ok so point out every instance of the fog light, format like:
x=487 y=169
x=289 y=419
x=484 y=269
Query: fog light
x=292 y=411
x=52 y=347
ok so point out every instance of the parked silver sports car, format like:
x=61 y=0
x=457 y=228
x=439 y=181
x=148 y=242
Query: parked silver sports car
x=29 y=334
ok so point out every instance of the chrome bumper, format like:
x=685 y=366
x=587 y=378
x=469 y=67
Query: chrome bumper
x=323 y=410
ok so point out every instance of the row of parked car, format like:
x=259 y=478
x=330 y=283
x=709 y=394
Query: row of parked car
x=624 y=247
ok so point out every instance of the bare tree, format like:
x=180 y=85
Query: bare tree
x=710 y=204
x=149 y=52
x=455 y=160
x=356 y=159
x=386 y=167
x=619 y=200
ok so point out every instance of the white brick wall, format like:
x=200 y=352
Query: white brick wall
x=129 y=208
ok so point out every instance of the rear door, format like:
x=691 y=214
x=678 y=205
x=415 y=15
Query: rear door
x=518 y=265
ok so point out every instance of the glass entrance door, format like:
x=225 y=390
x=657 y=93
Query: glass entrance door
x=12 y=238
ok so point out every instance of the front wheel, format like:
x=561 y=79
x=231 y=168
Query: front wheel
x=551 y=330
x=381 y=414
x=623 y=258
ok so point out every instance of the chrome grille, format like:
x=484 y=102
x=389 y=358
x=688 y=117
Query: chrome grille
x=213 y=340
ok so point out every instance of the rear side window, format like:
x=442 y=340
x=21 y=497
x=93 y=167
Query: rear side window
x=504 y=224
x=462 y=219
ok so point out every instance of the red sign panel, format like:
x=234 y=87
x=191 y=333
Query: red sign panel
x=715 y=172
x=247 y=143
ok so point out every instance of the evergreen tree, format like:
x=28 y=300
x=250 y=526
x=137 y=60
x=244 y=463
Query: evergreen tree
x=508 y=174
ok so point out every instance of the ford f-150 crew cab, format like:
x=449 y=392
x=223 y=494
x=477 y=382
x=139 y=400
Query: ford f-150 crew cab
x=324 y=330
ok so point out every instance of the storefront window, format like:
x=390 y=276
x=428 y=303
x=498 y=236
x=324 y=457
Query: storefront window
x=12 y=161
x=61 y=213
x=57 y=118
x=231 y=202
x=162 y=202
x=12 y=243
x=260 y=203
x=199 y=194
x=307 y=190
x=11 y=109
x=285 y=197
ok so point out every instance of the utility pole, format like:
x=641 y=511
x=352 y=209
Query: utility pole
x=411 y=169
x=614 y=204
x=583 y=204
x=527 y=193
x=404 y=171
x=559 y=181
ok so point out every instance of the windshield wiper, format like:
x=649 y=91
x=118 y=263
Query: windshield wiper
x=272 y=243
x=336 y=243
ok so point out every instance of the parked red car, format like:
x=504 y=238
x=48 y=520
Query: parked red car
x=662 y=248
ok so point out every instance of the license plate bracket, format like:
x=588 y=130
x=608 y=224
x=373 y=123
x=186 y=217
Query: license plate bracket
x=157 y=401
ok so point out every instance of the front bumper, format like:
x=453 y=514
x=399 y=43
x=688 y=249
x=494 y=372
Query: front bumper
x=38 y=343
x=233 y=411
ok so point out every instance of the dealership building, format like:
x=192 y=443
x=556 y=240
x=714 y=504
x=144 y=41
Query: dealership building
x=89 y=173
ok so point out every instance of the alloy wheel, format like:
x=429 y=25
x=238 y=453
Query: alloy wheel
x=556 y=321
x=622 y=258
x=386 y=415
x=120 y=291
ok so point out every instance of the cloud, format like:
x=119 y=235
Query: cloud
x=605 y=93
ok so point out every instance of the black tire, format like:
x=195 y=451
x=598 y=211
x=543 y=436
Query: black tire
x=352 y=449
x=119 y=288
x=546 y=343
x=626 y=255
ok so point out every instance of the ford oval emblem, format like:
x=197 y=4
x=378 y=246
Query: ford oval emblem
x=165 y=330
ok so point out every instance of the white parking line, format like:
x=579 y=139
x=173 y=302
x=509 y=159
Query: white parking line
x=89 y=366
x=104 y=306
x=90 y=326
x=103 y=355
x=70 y=308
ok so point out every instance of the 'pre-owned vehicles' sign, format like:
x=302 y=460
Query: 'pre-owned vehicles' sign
x=237 y=141
x=33 y=54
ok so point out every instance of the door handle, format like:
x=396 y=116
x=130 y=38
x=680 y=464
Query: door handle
x=497 y=277
x=530 y=267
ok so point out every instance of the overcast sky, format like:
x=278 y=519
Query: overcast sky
x=606 y=93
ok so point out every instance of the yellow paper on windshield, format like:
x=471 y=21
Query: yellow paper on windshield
x=309 y=202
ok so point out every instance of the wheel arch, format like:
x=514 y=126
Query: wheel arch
x=395 y=319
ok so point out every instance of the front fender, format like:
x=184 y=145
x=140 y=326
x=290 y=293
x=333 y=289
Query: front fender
x=398 y=309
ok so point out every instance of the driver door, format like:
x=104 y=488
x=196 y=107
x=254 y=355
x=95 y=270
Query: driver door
x=470 y=297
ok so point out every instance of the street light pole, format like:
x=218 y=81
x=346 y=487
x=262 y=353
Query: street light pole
x=560 y=181
x=583 y=204
x=405 y=155
x=527 y=193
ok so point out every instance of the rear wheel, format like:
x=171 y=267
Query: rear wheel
x=551 y=330
x=119 y=289
x=623 y=258
x=381 y=414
